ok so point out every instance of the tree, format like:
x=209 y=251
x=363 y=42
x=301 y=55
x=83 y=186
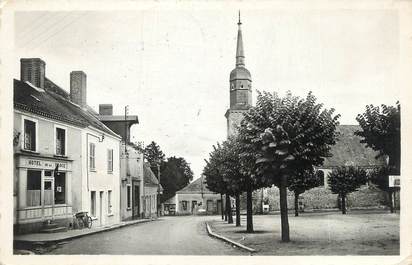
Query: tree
x=154 y=155
x=215 y=180
x=381 y=130
x=380 y=177
x=344 y=180
x=302 y=181
x=175 y=175
x=288 y=133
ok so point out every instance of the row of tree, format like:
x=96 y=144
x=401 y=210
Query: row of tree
x=175 y=172
x=279 y=142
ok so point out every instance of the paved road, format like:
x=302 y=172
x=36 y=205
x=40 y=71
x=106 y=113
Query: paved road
x=170 y=236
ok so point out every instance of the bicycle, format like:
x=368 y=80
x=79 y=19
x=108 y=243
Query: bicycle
x=83 y=220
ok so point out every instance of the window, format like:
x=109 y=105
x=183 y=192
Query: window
x=92 y=153
x=93 y=203
x=60 y=188
x=184 y=205
x=321 y=176
x=109 y=202
x=29 y=135
x=33 y=188
x=129 y=196
x=109 y=160
x=60 y=141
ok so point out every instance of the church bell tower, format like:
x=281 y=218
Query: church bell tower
x=240 y=83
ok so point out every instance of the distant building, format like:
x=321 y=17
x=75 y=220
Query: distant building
x=195 y=198
x=151 y=192
x=66 y=159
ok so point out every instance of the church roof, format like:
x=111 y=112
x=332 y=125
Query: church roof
x=196 y=187
x=240 y=73
x=348 y=151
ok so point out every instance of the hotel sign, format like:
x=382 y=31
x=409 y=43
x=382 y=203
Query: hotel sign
x=43 y=164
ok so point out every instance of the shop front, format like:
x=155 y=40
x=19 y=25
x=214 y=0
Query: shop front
x=44 y=192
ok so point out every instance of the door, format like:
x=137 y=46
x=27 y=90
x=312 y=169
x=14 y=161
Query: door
x=136 y=200
x=194 y=204
x=101 y=208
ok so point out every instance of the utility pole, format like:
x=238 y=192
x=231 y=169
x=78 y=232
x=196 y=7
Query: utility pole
x=126 y=111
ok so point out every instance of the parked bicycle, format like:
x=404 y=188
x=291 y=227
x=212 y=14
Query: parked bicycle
x=83 y=220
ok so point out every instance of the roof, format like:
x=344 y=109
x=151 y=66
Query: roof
x=240 y=72
x=53 y=102
x=349 y=151
x=119 y=118
x=196 y=187
x=149 y=177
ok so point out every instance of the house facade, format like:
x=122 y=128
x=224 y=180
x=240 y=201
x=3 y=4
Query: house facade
x=66 y=160
x=194 y=199
x=131 y=163
x=151 y=191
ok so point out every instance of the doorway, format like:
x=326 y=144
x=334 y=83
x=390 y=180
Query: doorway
x=136 y=201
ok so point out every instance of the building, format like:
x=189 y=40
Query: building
x=240 y=83
x=66 y=160
x=195 y=198
x=151 y=192
x=131 y=163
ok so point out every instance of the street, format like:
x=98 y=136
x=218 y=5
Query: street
x=184 y=235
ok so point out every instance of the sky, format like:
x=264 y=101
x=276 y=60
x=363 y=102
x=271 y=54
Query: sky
x=172 y=66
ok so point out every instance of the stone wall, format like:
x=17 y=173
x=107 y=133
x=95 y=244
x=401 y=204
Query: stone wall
x=321 y=198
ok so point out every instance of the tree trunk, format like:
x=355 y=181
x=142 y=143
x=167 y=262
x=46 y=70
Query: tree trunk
x=390 y=192
x=237 y=210
x=343 y=197
x=261 y=201
x=284 y=208
x=296 y=204
x=229 y=210
x=221 y=206
x=249 y=214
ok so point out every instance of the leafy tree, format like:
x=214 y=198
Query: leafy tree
x=380 y=177
x=215 y=181
x=175 y=175
x=344 y=180
x=288 y=133
x=302 y=181
x=154 y=155
x=381 y=130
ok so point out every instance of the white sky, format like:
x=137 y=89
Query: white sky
x=172 y=67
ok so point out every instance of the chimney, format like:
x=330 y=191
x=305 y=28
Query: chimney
x=78 y=88
x=33 y=70
x=105 y=109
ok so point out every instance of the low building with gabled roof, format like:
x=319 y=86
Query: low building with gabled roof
x=195 y=198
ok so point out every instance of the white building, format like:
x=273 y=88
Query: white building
x=66 y=160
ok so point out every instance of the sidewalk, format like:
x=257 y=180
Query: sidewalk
x=48 y=238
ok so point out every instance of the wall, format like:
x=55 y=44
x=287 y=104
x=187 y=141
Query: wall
x=100 y=180
x=131 y=168
x=150 y=201
x=198 y=198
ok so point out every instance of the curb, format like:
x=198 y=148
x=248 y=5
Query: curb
x=211 y=233
x=55 y=241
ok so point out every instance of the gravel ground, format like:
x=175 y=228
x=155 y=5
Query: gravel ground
x=356 y=233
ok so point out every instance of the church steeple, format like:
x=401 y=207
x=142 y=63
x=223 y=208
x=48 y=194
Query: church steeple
x=240 y=87
x=240 y=55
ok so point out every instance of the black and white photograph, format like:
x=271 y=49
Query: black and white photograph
x=200 y=130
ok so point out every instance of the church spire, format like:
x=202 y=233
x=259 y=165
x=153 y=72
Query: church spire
x=240 y=56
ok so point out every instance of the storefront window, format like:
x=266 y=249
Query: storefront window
x=33 y=188
x=60 y=188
